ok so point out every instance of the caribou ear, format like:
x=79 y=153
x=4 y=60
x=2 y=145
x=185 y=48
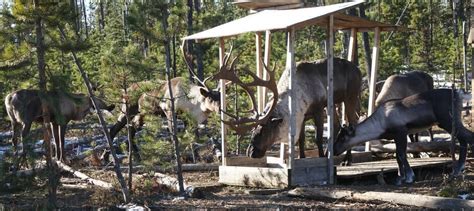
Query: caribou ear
x=204 y=92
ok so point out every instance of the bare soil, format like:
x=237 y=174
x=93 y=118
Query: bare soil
x=74 y=193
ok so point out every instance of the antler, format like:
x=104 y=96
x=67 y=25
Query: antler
x=188 y=60
x=241 y=125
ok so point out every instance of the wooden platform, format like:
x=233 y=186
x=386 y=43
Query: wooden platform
x=375 y=167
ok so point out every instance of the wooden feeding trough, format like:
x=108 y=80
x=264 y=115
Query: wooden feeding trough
x=287 y=171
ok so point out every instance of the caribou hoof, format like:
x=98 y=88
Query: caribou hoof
x=399 y=180
x=457 y=169
x=410 y=180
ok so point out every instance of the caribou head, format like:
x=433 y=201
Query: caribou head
x=209 y=99
x=259 y=123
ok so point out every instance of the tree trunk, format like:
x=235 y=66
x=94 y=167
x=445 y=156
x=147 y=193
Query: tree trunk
x=129 y=136
x=53 y=179
x=105 y=130
x=173 y=113
x=102 y=17
x=365 y=40
x=190 y=48
x=85 y=18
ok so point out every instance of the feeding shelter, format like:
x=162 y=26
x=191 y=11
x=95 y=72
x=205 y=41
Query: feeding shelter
x=281 y=171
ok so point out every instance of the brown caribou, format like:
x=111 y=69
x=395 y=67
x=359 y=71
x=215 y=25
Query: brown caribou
x=196 y=99
x=399 y=86
x=396 y=119
x=24 y=107
x=311 y=94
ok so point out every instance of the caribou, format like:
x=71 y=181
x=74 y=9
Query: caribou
x=395 y=119
x=24 y=107
x=197 y=99
x=310 y=92
x=399 y=86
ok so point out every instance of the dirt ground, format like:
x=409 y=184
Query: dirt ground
x=74 y=193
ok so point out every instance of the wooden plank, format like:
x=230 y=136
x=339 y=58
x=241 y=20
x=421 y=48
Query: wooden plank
x=258 y=62
x=245 y=161
x=253 y=177
x=291 y=65
x=375 y=167
x=330 y=100
x=433 y=202
x=309 y=176
x=223 y=103
x=311 y=162
x=373 y=77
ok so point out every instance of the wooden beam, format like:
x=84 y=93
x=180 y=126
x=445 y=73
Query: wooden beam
x=223 y=103
x=433 y=202
x=290 y=64
x=330 y=102
x=268 y=52
x=373 y=77
x=259 y=67
x=352 y=45
x=350 y=57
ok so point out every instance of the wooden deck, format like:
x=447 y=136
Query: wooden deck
x=375 y=167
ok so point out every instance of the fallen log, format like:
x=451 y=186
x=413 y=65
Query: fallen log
x=438 y=146
x=433 y=202
x=83 y=176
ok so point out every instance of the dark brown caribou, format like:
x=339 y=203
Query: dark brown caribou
x=399 y=86
x=24 y=107
x=396 y=119
x=311 y=94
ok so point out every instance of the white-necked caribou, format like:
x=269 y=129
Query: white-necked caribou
x=310 y=92
x=399 y=86
x=395 y=119
x=196 y=99
x=24 y=107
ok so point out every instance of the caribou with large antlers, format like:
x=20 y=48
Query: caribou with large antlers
x=395 y=119
x=24 y=107
x=311 y=94
x=196 y=99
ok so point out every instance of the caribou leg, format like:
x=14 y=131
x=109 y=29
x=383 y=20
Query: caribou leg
x=351 y=107
x=464 y=136
x=319 y=124
x=301 y=141
x=405 y=173
x=62 y=147
x=414 y=138
x=56 y=137
x=16 y=127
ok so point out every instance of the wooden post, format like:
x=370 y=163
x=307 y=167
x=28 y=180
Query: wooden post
x=350 y=57
x=373 y=76
x=330 y=103
x=290 y=65
x=258 y=62
x=352 y=45
x=223 y=103
x=268 y=52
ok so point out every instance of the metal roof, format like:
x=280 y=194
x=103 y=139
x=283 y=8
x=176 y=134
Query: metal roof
x=284 y=19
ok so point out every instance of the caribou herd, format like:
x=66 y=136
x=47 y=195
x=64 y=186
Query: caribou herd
x=406 y=104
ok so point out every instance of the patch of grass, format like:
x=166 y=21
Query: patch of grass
x=453 y=187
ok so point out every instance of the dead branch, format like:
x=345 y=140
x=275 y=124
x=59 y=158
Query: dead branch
x=83 y=176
